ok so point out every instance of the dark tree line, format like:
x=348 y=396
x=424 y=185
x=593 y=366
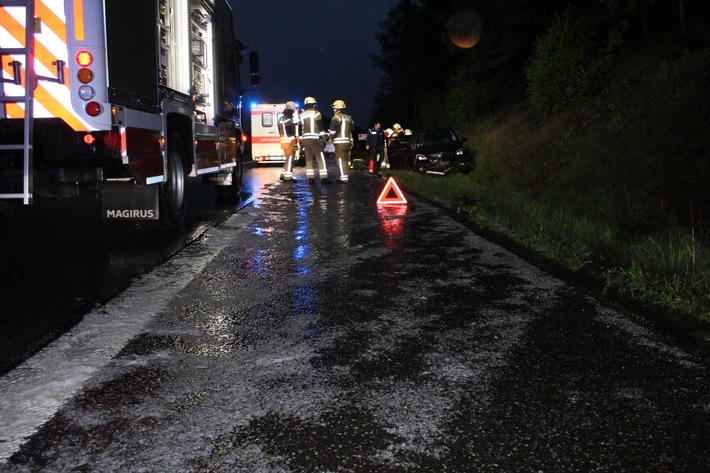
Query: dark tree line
x=426 y=80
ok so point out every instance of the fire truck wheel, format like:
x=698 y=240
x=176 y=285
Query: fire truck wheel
x=172 y=195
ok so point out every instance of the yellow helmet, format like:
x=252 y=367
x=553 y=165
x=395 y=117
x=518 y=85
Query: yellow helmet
x=338 y=104
x=291 y=105
x=407 y=132
x=309 y=100
x=397 y=127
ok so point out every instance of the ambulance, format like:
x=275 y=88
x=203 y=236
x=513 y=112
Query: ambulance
x=121 y=101
x=265 y=138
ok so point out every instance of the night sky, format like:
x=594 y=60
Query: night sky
x=314 y=48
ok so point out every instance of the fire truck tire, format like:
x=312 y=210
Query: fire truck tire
x=173 y=190
x=236 y=187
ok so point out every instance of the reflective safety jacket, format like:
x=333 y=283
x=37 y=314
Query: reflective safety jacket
x=287 y=127
x=312 y=125
x=342 y=128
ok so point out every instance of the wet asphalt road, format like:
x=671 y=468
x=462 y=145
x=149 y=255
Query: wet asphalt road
x=326 y=333
x=59 y=260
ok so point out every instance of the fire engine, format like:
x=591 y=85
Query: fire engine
x=265 y=138
x=120 y=101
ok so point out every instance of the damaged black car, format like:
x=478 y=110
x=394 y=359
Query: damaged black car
x=436 y=151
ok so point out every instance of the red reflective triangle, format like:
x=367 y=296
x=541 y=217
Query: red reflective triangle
x=391 y=194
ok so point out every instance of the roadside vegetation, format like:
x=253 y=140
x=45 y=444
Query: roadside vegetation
x=663 y=270
x=597 y=155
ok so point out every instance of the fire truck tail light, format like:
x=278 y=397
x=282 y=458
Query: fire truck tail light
x=112 y=140
x=84 y=58
x=89 y=139
x=85 y=75
x=86 y=92
x=93 y=109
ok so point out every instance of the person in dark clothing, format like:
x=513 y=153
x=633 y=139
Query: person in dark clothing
x=376 y=145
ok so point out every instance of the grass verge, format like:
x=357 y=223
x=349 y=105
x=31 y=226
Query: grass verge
x=662 y=271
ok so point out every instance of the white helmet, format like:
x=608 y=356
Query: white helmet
x=291 y=105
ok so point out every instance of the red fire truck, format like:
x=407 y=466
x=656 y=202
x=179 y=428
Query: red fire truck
x=120 y=101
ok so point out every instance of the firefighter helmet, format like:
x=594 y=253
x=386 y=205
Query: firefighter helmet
x=397 y=127
x=309 y=100
x=407 y=132
x=291 y=105
x=338 y=104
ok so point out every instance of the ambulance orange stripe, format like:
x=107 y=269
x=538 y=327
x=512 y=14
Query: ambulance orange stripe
x=265 y=139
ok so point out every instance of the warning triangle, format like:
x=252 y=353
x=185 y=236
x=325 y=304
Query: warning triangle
x=391 y=194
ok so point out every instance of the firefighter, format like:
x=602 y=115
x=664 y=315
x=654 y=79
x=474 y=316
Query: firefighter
x=313 y=140
x=397 y=131
x=341 y=130
x=389 y=135
x=287 y=130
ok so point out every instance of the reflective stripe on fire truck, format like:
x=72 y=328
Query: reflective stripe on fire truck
x=51 y=99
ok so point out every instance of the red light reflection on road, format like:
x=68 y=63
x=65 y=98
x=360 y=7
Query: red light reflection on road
x=391 y=220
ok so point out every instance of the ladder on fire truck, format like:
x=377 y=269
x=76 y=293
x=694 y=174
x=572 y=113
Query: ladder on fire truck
x=27 y=100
